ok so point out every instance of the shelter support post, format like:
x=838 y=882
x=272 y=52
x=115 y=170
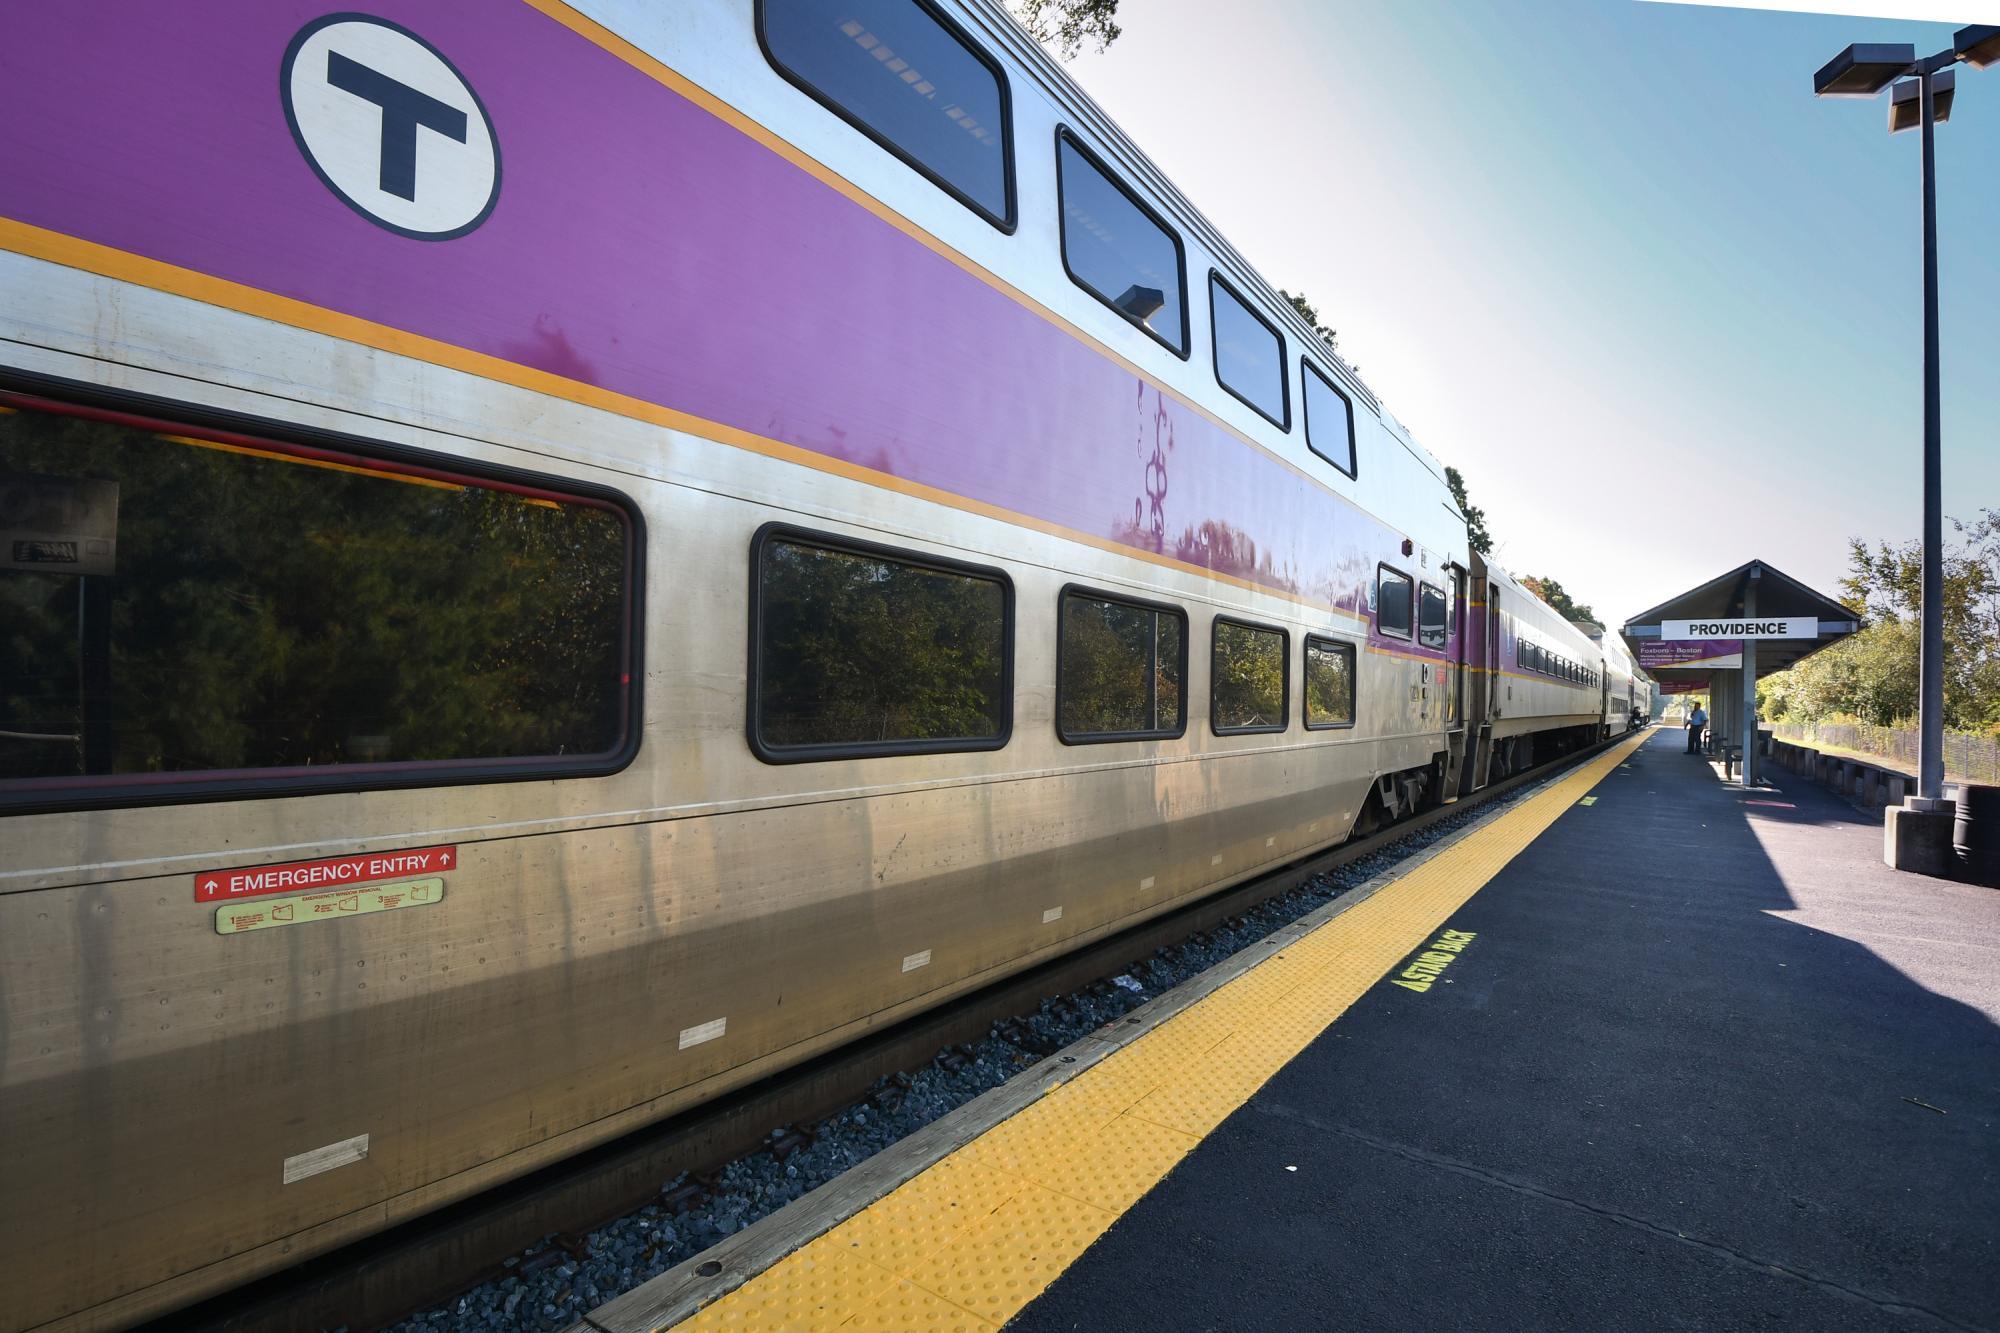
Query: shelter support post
x=1750 y=686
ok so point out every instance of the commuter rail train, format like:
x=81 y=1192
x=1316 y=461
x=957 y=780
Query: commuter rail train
x=559 y=558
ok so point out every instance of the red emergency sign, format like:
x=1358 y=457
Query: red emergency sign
x=307 y=876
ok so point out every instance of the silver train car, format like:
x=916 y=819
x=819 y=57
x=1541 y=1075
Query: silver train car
x=578 y=555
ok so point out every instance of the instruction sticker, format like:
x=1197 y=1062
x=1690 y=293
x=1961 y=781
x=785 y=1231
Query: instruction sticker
x=235 y=918
x=331 y=872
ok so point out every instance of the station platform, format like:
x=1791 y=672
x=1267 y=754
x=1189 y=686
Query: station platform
x=1643 y=1050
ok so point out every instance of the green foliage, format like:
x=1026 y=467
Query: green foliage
x=1475 y=517
x=857 y=649
x=1249 y=676
x=1552 y=592
x=1107 y=649
x=1329 y=685
x=1873 y=676
x=269 y=612
x=1310 y=314
x=1067 y=24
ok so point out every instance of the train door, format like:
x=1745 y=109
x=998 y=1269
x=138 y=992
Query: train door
x=1454 y=700
x=1454 y=682
x=1478 y=660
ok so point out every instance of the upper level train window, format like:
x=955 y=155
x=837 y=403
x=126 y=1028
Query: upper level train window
x=1329 y=420
x=1248 y=686
x=191 y=612
x=1430 y=616
x=901 y=73
x=1117 y=249
x=1329 y=683
x=861 y=651
x=1249 y=354
x=1119 y=669
x=1392 y=602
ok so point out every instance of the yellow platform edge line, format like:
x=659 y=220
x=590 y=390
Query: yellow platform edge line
x=971 y=1240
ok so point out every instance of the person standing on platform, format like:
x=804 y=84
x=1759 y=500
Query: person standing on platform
x=1696 y=721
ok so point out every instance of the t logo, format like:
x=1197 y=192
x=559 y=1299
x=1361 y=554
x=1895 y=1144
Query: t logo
x=391 y=126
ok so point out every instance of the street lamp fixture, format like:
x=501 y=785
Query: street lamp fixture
x=1921 y=101
x=1864 y=69
x=1905 y=98
x=1978 y=45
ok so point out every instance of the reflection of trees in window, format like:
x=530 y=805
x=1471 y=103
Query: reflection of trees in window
x=1121 y=668
x=1430 y=616
x=272 y=611
x=859 y=649
x=1249 y=678
x=1329 y=683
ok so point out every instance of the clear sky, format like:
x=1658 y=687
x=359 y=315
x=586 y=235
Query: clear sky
x=1611 y=259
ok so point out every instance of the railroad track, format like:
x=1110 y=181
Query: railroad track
x=426 y=1260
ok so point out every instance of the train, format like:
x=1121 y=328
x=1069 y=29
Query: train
x=562 y=558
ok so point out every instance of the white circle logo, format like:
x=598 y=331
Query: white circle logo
x=391 y=126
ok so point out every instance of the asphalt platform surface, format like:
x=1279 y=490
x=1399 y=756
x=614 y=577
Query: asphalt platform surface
x=1706 y=1063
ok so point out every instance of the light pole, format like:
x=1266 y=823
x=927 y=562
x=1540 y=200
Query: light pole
x=1922 y=100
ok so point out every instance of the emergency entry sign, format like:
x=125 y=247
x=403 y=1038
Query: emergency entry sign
x=212 y=886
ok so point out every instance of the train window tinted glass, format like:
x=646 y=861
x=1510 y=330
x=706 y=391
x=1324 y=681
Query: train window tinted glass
x=1329 y=683
x=174 y=604
x=1329 y=420
x=900 y=73
x=1392 y=602
x=1249 y=354
x=1430 y=616
x=862 y=651
x=1248 y=678
x=1117 y=250
x=1120 y=671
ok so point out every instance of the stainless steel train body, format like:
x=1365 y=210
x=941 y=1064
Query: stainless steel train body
x=186 y=264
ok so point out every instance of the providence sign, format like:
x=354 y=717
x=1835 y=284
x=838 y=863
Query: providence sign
x=1774 y=627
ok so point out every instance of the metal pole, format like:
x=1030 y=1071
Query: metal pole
x=1930 y=713
x=1749 y=774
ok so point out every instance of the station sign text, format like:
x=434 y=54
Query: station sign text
x=1753 y=627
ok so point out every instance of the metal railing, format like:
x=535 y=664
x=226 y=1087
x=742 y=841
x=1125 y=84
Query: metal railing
x=1967 y=758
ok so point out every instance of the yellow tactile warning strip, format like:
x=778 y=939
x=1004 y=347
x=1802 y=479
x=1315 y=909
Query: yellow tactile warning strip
x=968 y=1242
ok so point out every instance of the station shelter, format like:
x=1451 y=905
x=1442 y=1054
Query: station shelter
x=1717 y=637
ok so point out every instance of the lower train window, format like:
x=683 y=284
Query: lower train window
x=1430 y=616
x=858 y=650
x=1392 y=602
x=1248 y=687
x=1119 y=669
x=1329 y=683
x=192 y=613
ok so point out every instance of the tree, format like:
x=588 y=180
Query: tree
x=1310 y=314
x=1552 y=592
x=1873 y=675
x=1475 y=517
x=1067 y=24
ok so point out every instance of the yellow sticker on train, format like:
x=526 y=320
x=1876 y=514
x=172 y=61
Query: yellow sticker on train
x=264 y=913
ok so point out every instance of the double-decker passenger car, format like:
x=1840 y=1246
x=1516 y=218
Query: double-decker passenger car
x=560 y=558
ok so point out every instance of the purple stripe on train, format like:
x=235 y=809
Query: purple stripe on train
x=642 y=245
